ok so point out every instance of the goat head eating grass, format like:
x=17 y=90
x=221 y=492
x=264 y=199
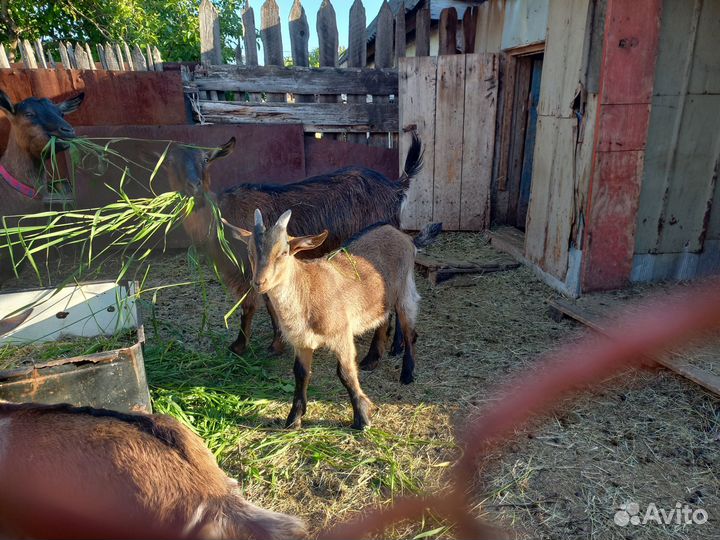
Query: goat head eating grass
x=326 y=302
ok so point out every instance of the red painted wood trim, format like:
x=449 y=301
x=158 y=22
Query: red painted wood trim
x=626 y=82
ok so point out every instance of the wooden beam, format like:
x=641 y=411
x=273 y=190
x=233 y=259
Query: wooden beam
x=422 y=30
x=321 y=117
x=674 y=361
x=300 y=80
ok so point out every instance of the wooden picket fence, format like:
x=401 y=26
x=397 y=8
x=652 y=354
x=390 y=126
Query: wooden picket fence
x=355 y=103
x=112 y=56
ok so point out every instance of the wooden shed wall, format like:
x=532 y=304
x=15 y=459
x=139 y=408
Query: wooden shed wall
x=525 y=22
x=678 y=223
x=563 y=147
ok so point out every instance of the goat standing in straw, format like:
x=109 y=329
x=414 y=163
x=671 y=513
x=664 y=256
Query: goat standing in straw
x=326 y=302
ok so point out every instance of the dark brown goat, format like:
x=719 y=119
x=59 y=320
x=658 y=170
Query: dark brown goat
x=344 y=202
x=22 y=177
x=69 y=472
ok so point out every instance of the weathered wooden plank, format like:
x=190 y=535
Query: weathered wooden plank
x=481 y=75
x=128 y=57
x=332 y=117
x=101 y=55
x=248 y=19
x=418 y=78
x=327 y=34
x=90 y=59
x=4 y=62
x=299 y=35
x=422 y=30
x=40 y=52
x=705 y=76
x=112 y=61
x=448 y=31
x=469 y=25
x=157 y=59
x=384 y=37
x=50 y=60
x=210 y=39
x=301 y=80
x=598 y=320
x=118 y=56
x=239 y=60
x=82 y=60
x=449 y=113
x=138 y=59
x=64 y=56
x=27 y=54
x=490 y=24
x=271 y=33
x=536 y=226
x=71 y=55
x=148 y=56
x=357 y=43
x=400 y=34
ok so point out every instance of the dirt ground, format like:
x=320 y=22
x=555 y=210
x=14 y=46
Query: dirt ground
x=643 y=437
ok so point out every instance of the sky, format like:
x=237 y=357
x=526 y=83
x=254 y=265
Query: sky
x=342 y=11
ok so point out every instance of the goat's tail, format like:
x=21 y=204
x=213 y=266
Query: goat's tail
x=413 y=162
x=427 y=235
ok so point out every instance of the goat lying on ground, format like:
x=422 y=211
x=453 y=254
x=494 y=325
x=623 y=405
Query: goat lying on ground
x=22 y=175
x=326 y=302
x=92 y=473
x=343 y=202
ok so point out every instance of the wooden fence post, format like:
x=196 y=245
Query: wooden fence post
x=150 y=61
x=448 y=31
x=40 y=53
x=138 y=59
x=469 y=24
x=327 y=34
x=81 y=57
x=112 y=60
x=250 y=36
x=271 y=34
x=71 y=55
x=128 y=57
x=239 y=53
x=4 y=62
x=299 y=37
x=384 y=37
x=210 y=41
x=101 y=55
x=64 y=56
x=357 y=56
x=422 y=30
x=157 y=59
x=27 y=54
x=119 y=57
x=91 y=61
x=400 y=44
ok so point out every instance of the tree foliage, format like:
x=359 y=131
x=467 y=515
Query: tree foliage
x=171 y=25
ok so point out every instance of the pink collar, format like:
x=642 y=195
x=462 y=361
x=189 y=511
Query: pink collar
x=24 y=189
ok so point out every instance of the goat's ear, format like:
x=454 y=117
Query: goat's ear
x=238 y=232
x=72 y=104
x=304 y=243
x=5 y=103
x=223 y=151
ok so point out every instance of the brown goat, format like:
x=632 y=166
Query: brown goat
x=92 y=473
x=343 y=202
x=326 y=302
x=22 y=177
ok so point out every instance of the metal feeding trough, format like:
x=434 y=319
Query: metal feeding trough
x=112 y=379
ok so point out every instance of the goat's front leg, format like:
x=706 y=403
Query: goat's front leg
x=347 y=372
x=302 y=370
x=278 y=345
x=249 y=305
x=404 y=320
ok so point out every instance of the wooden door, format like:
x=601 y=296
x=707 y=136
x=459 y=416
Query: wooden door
x=451 y=102
x=529 y=147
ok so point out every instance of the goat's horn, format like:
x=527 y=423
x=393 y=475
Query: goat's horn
x=259 y=220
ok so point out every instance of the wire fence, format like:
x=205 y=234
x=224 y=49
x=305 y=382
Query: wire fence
x=660 y=326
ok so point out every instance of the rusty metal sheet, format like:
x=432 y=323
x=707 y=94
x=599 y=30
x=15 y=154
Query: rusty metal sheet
x=324 y=155
x=112 y=380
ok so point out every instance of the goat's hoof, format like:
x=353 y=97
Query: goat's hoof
x=238 y=348
x=407 y=378
x=369 y=363
x=275 y=349
x=396 y=350
x=293 y=422
x=360 y=424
